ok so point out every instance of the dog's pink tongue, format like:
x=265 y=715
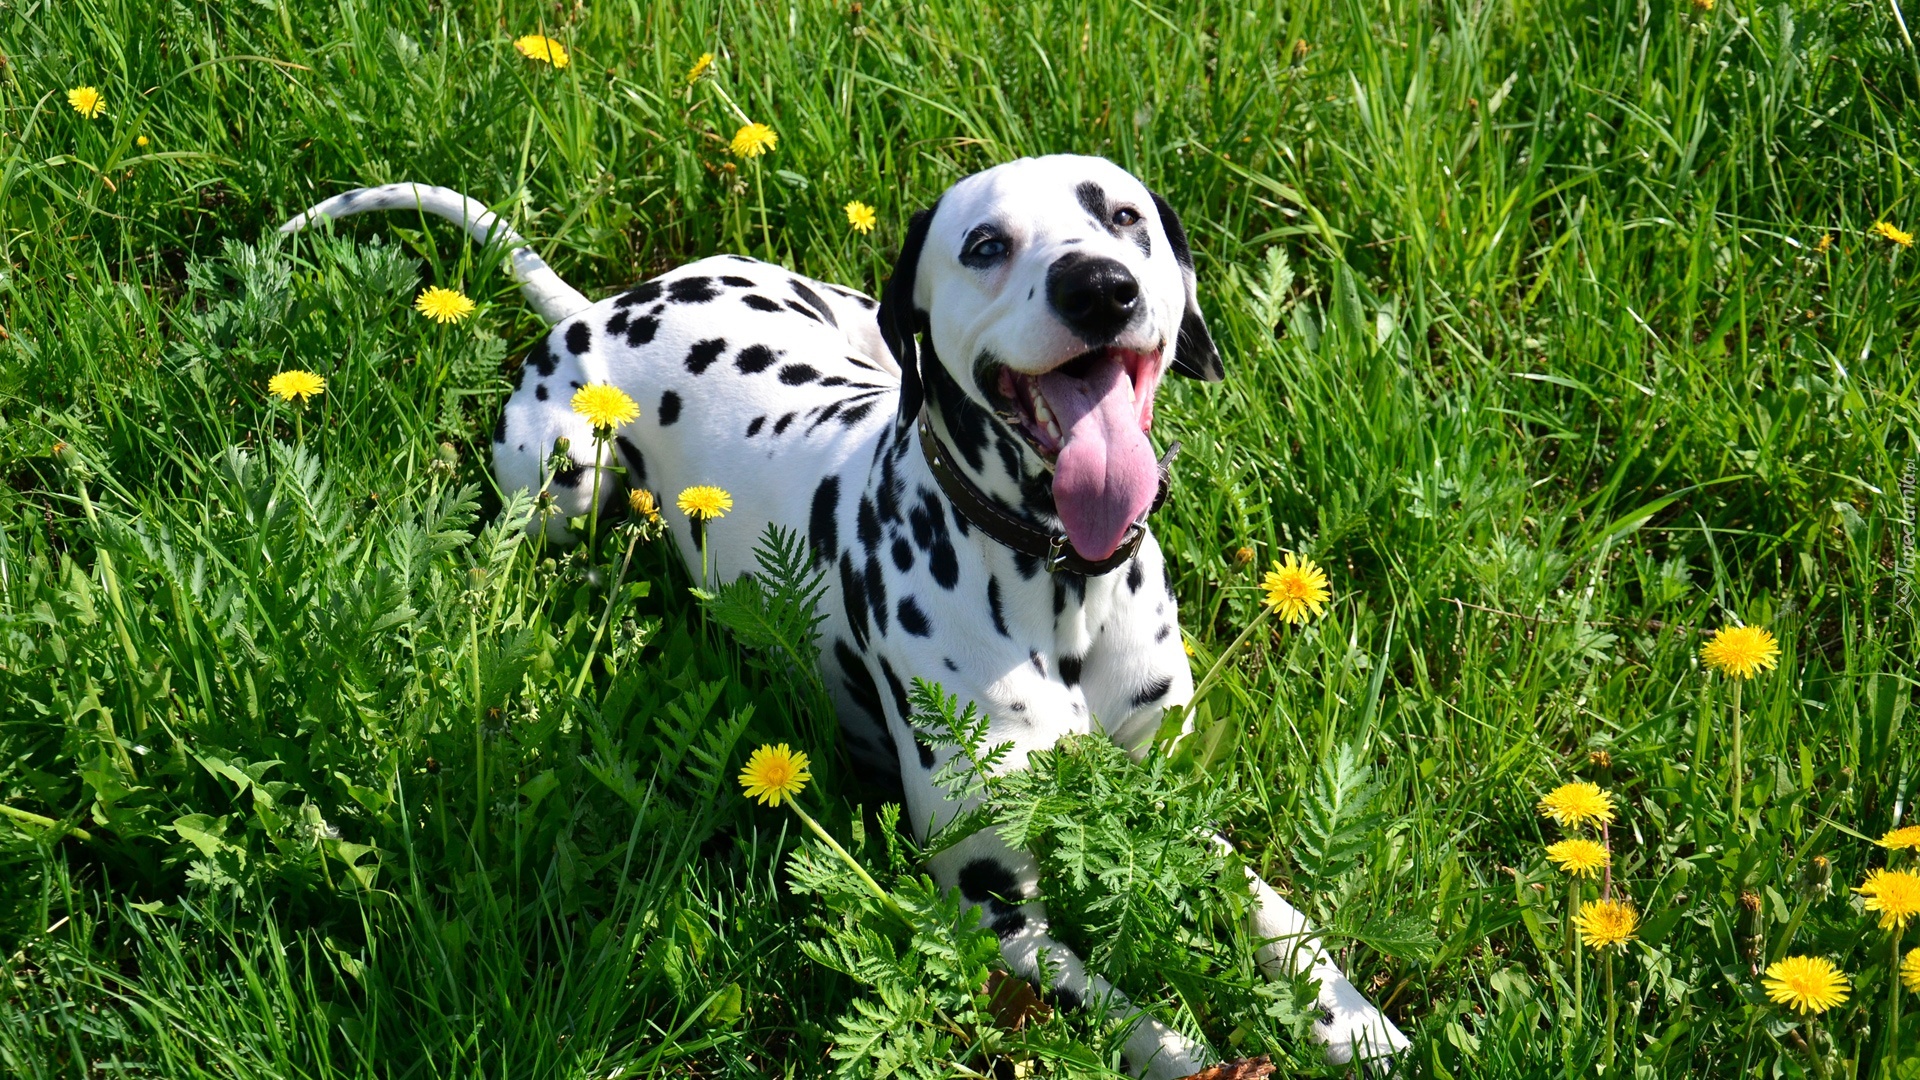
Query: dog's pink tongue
x=1106 y=476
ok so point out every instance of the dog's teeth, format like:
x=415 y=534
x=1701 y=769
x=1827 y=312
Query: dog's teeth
x=1053 y=429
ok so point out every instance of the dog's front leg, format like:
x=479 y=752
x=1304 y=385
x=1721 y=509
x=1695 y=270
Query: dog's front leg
x=1349 y=1024
x=999 y=880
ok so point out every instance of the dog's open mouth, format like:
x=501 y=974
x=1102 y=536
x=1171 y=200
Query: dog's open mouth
x=1088 y=419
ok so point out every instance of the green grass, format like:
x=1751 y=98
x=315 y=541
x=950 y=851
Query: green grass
x=1555 y=332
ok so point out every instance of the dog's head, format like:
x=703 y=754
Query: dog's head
x=1054 y=293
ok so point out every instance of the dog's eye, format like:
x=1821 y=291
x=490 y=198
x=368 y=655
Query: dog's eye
x=990 y=248
x=1126 y=216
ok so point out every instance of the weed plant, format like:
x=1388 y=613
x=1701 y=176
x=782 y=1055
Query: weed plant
x=1560 y=335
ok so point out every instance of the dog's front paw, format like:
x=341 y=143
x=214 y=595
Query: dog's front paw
x=1360 y=1032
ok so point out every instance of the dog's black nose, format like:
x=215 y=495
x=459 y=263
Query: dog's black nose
x=1097 y=297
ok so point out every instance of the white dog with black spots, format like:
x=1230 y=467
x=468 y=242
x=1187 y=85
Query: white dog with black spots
x=1030 y=317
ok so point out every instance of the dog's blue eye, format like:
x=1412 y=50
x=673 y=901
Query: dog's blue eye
x=1126 y=216
x=989 y=249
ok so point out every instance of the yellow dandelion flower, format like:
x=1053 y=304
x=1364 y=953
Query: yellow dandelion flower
x=87 y=101
x=1295 y=589
x=643 y=504
x=604 y=406
x=1880 y=228
x=295 y=383
x=1575 y=804
x=1910 y=971
x=861 y=216
x=1906 y=837
x=1578 y=856
x=1810 y=984
x=1741 y=651
x=1895 y=894
x=704 y=502
x=1703 y=5
x=752 y=140
x=443 y=305
x=1606 y=922
x=1825 y=245
x=700 y=67
x=774 y=774
x=141 y=141
x=544 y=49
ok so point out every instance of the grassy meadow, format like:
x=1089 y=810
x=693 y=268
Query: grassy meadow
x=1561 y=335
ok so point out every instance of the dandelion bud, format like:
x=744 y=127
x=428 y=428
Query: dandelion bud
x=477 y=578
x=433 y=766
x=1300 y=48
x=1600 y=759
x=1242 y=556
x=1817 y=878
x=64 y=453
x=449 y=454
x=1750 y=900
x=643 y=504
x=562 y=444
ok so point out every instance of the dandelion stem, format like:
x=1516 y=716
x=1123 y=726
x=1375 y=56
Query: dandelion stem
x=1574 y=957
x=42 y=821
x=613 y=595
x=852 y=864
x=1893 y=1005
x=1613 y=1018
x=1813 y=1048
x=479 y=737
x=593 y=507
x=1220 y=663
x=1739 y=763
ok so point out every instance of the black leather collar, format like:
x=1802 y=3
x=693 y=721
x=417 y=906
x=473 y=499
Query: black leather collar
x=1052 y=549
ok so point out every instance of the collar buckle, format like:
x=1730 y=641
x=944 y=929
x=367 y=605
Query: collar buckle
x=1057 y=553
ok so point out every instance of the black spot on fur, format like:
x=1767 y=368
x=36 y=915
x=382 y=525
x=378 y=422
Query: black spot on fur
x=738 y=282
x=877 y=594
x=1063 y=998
x=899 y=690
x=859 y=681
x=1161 y=634
x=822 y=530
x=760 y=303
x=644 y=293
x=1134 y=576
x=988 y=881
x=813 y=300
x=797 y=374
x=1070 y=669
x=669 y=408
x=569 y=477
x=500 y=428
x=943 y=563
x=926 y=752
x=755 y=359
x=704 y=353
x=902 y=554
x=780 y=425
x=618 y=324
x=1039 y=662
x=642 y=330
x=912 y=619
x=636 y=465
x=1093 y=198
x=692 y=290
x=754 y=425
x=543 y=358
x=1008 y=923
x=868 y=524
x=1027 y=565
x=993 y=606
x=799 y=308
x=853 y=596
x=856 y=414
x=950 y=665
x=1153 y=691
x=579 y=337
x=540 y=392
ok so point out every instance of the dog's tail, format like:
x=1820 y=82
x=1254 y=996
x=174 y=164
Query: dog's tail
x=545 y=292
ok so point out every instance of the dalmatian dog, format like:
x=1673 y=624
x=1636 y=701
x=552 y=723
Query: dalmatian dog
x=969 y=462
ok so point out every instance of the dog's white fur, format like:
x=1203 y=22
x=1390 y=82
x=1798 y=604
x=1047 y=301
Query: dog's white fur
x=983 y=624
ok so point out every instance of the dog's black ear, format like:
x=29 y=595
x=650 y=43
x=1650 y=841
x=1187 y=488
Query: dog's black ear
x=1194 y=355
x=900 y=322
